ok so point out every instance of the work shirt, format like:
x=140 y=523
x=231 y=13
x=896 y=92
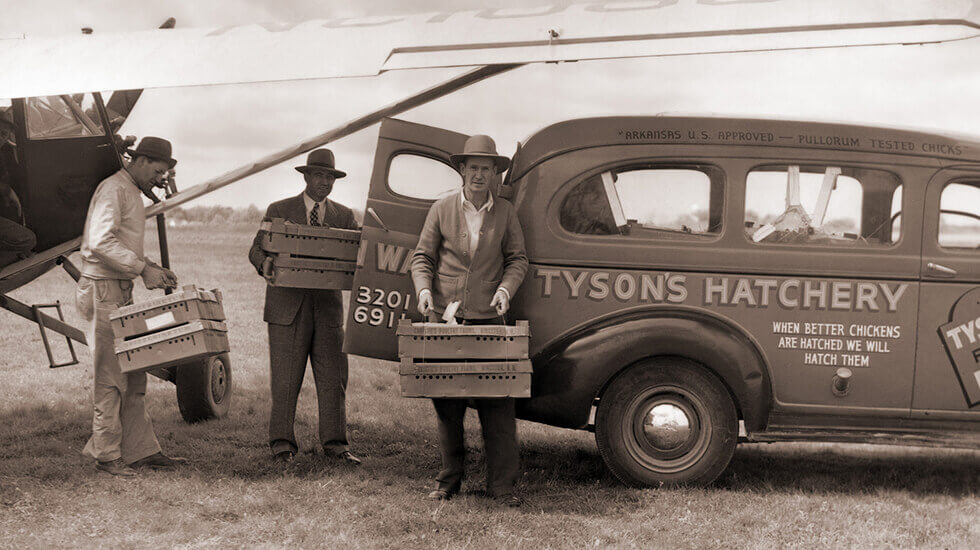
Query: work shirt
x=474 y=218
x=112 y=243
x=309 y=208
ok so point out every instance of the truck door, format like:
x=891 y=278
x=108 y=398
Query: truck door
x=411 y=171
x=947 y=375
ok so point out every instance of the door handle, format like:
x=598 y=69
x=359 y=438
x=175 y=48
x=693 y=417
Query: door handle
x=940 y=270
x=377 y=218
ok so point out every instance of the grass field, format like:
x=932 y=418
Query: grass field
x=232 y=495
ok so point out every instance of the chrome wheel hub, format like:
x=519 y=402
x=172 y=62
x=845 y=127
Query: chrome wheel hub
x=666 y=426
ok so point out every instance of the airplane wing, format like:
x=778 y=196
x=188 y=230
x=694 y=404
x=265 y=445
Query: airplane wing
x=122 y=102
x=365 y=47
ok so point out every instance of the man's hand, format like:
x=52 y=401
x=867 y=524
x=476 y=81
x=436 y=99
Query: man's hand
x=153 y=276
x=266 y=271
x=170 y=279
x=500 y=301
x=425 y=301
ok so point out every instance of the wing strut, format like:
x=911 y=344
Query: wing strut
x=425 y=96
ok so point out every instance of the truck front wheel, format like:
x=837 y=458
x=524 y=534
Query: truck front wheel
x=666 y=421
x=204 y=388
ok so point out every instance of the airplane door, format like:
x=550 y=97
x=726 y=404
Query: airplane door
x=64 y=153
x=411 y=171
x=947 y=376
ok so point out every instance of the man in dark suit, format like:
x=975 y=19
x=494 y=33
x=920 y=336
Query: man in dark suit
x=307 y=323
x=471 y=251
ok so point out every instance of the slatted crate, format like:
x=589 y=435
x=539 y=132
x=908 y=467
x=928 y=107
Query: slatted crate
x=465 y=379
x=294 y=272
x=194 y=340
x=190 y=304
x=282 y=237
x=439 y=360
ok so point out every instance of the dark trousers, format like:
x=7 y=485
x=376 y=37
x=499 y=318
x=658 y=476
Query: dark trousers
x=309 y=336
x=15 y=241
x=499 y=426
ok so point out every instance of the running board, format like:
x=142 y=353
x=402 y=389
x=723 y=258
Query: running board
x=953 y=440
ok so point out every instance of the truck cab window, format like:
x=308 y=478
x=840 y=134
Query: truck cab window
x=420 y=177
x=822 y=205
x=657 y=202
x=959 y=215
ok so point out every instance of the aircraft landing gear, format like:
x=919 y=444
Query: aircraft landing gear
x=204 y=388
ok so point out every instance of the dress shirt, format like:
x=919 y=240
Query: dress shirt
x=112 y=242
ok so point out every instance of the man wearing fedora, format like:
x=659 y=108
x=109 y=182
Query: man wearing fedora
x=307 y=323
x=471 y=251
x=112 y=256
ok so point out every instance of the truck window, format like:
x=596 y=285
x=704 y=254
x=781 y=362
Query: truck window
x=62 y=116
x=822 y=205
x=420 y=177
x=657 y=202
x=959 y=215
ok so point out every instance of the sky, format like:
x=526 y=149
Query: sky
x=218 y=128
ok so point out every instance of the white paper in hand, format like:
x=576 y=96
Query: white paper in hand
x=449 y=316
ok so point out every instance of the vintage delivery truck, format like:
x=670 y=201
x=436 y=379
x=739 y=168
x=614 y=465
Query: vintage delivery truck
x=699 y=281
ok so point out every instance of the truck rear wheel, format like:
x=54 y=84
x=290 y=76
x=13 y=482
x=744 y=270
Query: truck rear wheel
x=204 y=388
x=666 y=421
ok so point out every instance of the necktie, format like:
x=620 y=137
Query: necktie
x=315 y=214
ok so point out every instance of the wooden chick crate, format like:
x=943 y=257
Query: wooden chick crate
x=195 y=340
x=306 y=256
x=282 y=237
x=439 y=360
x=170 y=330
x=189 y=304
x=295 y=272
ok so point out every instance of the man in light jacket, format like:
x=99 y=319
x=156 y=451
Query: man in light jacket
x=112 y=256
x=471 y=251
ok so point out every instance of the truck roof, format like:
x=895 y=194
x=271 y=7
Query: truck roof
x=720 y=130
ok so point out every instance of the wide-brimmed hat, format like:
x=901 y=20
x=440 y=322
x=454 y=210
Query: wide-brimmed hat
x=321 y=159
x=480 y=146
x=154 y=148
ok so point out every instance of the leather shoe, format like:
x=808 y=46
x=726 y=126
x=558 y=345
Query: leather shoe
x=510 y=501
x=115 y=467
x=159 y=461
x=348 y=457
x=284 y=457
x=440 y=494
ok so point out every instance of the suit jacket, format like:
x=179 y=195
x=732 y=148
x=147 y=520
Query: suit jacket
x=442 y=261
x=281 y=304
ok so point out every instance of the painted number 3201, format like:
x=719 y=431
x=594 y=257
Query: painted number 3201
x=380 y=307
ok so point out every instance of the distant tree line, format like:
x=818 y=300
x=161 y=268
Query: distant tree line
x=222 y=215
x=214 y=214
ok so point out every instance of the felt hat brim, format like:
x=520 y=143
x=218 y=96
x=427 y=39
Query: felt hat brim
x=133 y=153
x=500 y=161
x=332 y=171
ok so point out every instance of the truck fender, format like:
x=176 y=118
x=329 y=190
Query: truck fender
x=578 y=367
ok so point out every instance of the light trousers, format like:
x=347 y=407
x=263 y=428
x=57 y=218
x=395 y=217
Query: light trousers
x=121 y=427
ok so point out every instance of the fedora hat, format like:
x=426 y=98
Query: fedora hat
x=480 y=146
x=154 y=148
x=321 y=159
